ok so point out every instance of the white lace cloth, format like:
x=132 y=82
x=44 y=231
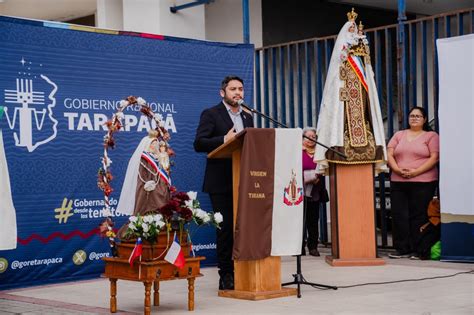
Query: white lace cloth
x=126 y=202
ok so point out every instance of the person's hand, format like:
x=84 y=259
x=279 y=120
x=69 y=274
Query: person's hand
x=230 y=135
x=409 y=173
x=404 y=172
x=316 y=180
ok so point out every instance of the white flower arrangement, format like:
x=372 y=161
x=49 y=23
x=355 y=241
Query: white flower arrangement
x=147 y=227
x=192 y=195
x=120 y=115
x=218 y=218
x=124 y=103
x=106 y=161
x=200 y=216
x=106 y=212
x=141 y=101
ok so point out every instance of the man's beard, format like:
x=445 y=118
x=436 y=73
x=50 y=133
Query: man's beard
x=231 y=102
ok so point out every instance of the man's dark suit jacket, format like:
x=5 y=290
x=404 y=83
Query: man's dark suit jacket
x=213 y=126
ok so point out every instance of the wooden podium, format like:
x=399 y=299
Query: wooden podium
x=352 y=216
x=253 y=279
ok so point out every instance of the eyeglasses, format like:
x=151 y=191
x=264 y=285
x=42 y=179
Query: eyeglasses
x=415 y=116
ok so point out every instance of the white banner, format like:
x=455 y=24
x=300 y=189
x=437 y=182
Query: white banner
x=456 y=127
x=287 y=220
x=7 y=210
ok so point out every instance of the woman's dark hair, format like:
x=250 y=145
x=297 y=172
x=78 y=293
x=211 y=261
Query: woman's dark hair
x=229 y=78
x=426 y=125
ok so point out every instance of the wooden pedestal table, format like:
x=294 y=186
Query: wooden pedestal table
x=150 y=273
x=353 y=216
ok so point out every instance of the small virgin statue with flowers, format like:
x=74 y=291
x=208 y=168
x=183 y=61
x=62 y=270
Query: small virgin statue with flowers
x=147 y=195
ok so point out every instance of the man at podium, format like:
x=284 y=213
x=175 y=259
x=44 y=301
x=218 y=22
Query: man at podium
x=217 y=125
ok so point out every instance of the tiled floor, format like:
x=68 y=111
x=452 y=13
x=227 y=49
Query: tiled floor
x=452 y=295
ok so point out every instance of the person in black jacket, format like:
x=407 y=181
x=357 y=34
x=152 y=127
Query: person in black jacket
x=217 y=125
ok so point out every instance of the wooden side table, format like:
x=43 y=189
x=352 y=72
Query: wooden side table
x=151 y=272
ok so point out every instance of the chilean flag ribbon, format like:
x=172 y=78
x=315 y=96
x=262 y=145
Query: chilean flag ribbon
x=156 y=166
x=175 y=254
x=136 y=252
x=358 y=68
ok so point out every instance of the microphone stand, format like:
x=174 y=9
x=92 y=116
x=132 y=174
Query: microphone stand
x=298 y=276
x=285 y=126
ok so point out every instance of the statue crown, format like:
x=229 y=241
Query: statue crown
x=352 y=16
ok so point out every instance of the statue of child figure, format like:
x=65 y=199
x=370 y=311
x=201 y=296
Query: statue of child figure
x=163 y=156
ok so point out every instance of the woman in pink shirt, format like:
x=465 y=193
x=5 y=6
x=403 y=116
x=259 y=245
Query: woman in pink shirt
x=413 y=154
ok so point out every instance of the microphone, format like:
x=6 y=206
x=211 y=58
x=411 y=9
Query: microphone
x=245 y=106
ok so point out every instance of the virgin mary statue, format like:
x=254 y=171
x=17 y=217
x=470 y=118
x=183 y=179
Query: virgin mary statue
x=147 y=183
x=350 y=121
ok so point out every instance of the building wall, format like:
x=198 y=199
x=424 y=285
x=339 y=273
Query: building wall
x=141 y=16
x=220 y=20
x=224 y=21
x=286 y=21
x=188 y=23
x=151 y=16
x=109 y=14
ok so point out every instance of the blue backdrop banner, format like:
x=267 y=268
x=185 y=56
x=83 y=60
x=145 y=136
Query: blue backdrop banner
x=59 y=86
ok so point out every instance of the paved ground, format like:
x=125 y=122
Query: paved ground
x=448 y=295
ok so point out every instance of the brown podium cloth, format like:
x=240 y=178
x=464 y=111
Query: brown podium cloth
x=253 y=228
